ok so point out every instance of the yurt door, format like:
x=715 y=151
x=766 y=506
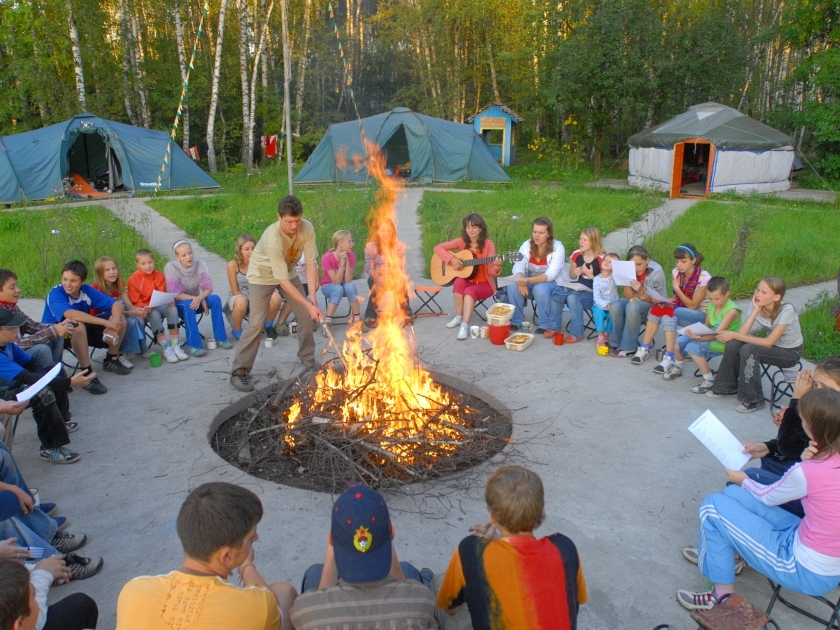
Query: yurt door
x=692 y=168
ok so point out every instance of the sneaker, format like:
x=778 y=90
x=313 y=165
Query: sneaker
x=672 y=372
x=59 y=455
x=179 y=352
x=125 y=362
x=95 y=387
x=696 y=601
x=711 y=394
x=663 y=366
x=602 y=339
x=48 y=508
x=66 y=543
x=690 y=554
x=169 y=354
x=750 y=407
x=641 y=356
x=241 y=381
x=703 y=387
x=622 y=354
x=270 y=333
x=196 y=351
x=282 y=329
x=71 y=426
x=225 y=345
x=111 y=364
x=60 y=523
x=238 y=333
x=81 y=567
x=539 y=330
x=456 y=321
x=326 y=328
x=463 y=332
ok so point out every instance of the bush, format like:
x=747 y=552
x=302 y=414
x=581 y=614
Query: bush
x=819 y=327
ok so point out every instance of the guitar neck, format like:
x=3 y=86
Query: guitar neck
x=478 y=261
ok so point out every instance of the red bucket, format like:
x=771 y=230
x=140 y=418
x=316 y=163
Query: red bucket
x=498 y=334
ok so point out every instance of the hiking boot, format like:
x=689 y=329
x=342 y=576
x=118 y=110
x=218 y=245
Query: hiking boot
x=690 y=554
x=663 y=366
x=672 y=372
x=270 y=333
x=750 y=407
x=111 y=364
x=179 y=352
x=241 y=381
x=81 y=567
x=282 y=329
x=66 y=543
x=59 y=455
x=703 y=387
x=169 y=354
x=95 y=386
x=696 y=601
x=641 y=356
x=125 y=362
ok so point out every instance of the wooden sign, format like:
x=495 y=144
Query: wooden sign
x=492 y=123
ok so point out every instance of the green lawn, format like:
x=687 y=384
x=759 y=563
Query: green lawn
x=37 y=244
x=819 y=327
x=745 y=240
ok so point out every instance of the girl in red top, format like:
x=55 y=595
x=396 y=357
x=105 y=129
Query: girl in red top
x=482 y=284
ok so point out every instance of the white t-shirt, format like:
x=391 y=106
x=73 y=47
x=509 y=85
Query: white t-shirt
x=791 y=337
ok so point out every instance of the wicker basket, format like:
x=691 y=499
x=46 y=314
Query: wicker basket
x=500 y=320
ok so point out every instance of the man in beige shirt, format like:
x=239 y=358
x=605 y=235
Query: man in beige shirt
x=272 y=266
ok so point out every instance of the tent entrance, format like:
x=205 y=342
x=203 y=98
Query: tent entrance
x=92 y=158
x=692 y=168
x=397 y=157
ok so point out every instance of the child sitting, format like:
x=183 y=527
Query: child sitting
x=73 y=299
x=549 y=578
x=337 y=281
x=604 y=291
x=190 y=279
x=689 y=282
x=108 y=280
x=237 y=307
x=723 y=314
x=141 y=285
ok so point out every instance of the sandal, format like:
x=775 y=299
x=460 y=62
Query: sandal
x=548 y=334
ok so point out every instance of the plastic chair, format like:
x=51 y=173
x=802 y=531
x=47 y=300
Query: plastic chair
x=833 y=622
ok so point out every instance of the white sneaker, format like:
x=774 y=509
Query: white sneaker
x=664 y=365
x=641 y=356
x=463 y=333
x=672 y=371
x=182 y=356
x=169 y=355
x=456 y=321
x=125 y=362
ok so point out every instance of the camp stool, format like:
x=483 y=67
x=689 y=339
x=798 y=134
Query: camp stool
x=588 y=325
x=428 y=295
x=779 y=387
x=833 y=622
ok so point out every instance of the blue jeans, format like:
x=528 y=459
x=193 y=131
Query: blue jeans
x=334 y=292
x=578 y=302
x=627 y=317
x=540 y=293
x=767 y=476
x=312 y=577
x=190 y=318
x=37 y=523
x=134 y=341
x=44 y=354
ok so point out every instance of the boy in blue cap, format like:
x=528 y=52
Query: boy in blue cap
x=361 y=580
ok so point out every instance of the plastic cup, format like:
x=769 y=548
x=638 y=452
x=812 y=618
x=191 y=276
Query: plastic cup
x=211 y=344
x=155 y=359
x=269 y=343
x=559 y=339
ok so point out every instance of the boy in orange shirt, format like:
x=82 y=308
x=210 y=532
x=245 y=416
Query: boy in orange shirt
x=141 y=284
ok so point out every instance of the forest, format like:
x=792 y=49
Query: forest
x=584 y=74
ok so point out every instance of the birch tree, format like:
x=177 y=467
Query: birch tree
x=77 y=57
x=182 y=62
x=214 y=90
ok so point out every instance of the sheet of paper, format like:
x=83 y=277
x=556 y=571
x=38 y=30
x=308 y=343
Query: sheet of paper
x=719 y=440
x=42 y=382
x=159 y=298
x=508 y=280
x=658 y=298
x=698 y=329
x=624 y=272
x=577 y=286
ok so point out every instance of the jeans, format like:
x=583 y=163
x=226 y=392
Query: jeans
x=540 y=293
x=578 y=302
x=334 y=292
x=627 y=317
x=190 y=318
x=740 y=369
x=603 y=323
x=312 y=577
x=682 y=317
x=47 y=354
x=134 y=341
x=767 y=478
x=694 y=348
x=41 y=524
x=157 y=314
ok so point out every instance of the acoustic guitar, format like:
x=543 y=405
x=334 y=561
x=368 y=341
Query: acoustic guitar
x=443 y=275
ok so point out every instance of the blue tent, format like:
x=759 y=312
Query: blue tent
x=437 y=150
x=34 y=164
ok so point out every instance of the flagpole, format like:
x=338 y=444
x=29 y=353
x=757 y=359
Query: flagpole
x=287 y=78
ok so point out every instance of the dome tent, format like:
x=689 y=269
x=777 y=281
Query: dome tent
x=711 y=148
x=34 y=164
x=438 y=150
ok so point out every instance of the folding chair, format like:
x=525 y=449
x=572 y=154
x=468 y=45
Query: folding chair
x=779 y=387
x=589 y=324
x=337 y=315
x=833 y=622
x=428 y=295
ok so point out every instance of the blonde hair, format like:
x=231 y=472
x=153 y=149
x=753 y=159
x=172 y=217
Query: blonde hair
x=594 y=236
x=240 y=241
x=339 y=236
x=516 y=499
x=99 y=276
x=777 y=286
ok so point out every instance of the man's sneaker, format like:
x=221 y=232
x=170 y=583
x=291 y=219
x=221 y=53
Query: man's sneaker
x=750 y=407
x=690 y=554
x=60 y=523
x=703 y=387
x=712 y=394
x=66 y=543
x=71 y=426
x=696 y=601
x=125 y=362
x=270 y=333
x=225 y=345
x=663 y=365
x=241 y=381
x=456 y=321
x=641 y=356
x=81 y=567
x=282 y=329
x=622 y=354
x=179 y=352
x=95 y=386
x=48 y=508
x=169 y=354
x=59 y=455
x=672 y=371
x=110 y=364
x=196 y=351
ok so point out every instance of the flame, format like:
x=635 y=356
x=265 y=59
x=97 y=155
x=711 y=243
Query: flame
x=385 y=391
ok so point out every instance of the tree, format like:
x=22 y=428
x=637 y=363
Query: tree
x=214 y=94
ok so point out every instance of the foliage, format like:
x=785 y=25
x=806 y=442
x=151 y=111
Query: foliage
x=819 y=327
x=747 y=239
x=37 y=244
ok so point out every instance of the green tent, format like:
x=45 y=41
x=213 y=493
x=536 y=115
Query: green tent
x=437 y=151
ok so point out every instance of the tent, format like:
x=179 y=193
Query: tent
x=417 y=147
x=711 y=148
x=34 y=164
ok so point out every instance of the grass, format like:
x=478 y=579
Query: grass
x=819 y=327
x=37 y=244
x=747 y=239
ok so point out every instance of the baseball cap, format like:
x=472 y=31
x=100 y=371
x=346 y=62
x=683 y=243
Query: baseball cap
x=11 y=320
x=361 y=535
